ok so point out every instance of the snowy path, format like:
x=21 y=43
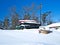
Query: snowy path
x=28 y=37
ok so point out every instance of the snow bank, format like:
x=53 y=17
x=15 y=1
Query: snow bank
x=28 y=37
x=54 y=25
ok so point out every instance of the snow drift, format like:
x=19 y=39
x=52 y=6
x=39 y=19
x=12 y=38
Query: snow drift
x=28 y=37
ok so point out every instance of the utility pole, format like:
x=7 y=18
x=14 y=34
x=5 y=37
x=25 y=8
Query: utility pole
x=40 y=9
x=40 y=13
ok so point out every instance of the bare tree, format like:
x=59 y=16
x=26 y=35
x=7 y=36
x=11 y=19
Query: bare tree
x=44 y=17
x=6 y=23
x=27 y=17
x=33 y=16
x=14 y=18
x=27 y=11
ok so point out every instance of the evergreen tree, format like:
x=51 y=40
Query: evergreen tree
x=1 y=24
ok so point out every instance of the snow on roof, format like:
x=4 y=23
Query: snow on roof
x=27 y=21
x=54 y=25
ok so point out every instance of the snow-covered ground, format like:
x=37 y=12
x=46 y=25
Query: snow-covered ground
x=28 y=37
